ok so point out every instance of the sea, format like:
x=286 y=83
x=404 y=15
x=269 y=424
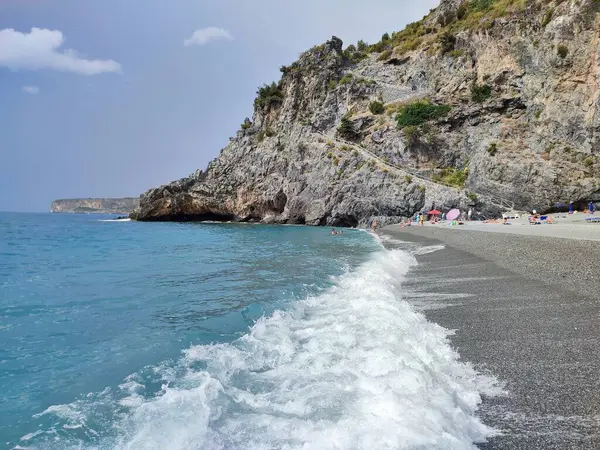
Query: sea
x=123 y=335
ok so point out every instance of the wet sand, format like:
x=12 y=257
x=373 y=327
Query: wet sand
x=525 y=309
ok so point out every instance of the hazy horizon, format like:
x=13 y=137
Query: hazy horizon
x=106 y=99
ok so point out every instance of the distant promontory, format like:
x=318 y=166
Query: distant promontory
x=95 y=205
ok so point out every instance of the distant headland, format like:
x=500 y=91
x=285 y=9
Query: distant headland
x=95 y=205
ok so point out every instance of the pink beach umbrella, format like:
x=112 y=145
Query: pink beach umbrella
x=453 y=214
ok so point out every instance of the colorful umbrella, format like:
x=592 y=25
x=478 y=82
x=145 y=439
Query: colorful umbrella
x=434 y=212
x=453 y=214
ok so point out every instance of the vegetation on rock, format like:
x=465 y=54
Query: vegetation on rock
x=247 y=124
x=268 y=95
x=447 y=42
x=562 y=51
x=346 y=129
x=418 y=113
x=481 y=93
x=412 y=134
x=376 y=107
x=346 y=79
x=452 y=177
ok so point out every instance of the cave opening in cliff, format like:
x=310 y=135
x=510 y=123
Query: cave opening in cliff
x=346 y=221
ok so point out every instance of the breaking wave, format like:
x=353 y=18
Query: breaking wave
x=355 y=367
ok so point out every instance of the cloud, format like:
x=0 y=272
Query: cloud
x=206 y=35
x=31 y=90
x=40 y=49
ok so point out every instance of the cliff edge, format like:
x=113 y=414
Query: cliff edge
x=484 y=104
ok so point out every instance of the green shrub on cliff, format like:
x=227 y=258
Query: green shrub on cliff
x=563 y=51
x=412 y=134
x=384 y=55
x=418 y=113
x=346 y=129
x=247 y=124
x=547 y=17
x=268 y=95
x=447 y=42
x=481 y=93
x=451 y=176
x=376 y=107
x=346 y=79
x=480 y=5
x=462 y=10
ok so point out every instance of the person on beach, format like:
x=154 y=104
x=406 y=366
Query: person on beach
x=422 y=219
x=469 y=214
x=374 y=226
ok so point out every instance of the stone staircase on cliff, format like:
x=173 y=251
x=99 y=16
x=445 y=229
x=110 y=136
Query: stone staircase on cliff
x=491 y=199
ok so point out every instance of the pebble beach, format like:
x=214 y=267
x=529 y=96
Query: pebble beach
x=525 y=303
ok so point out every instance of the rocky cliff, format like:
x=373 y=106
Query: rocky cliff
x=95 y=205
x=484 y=104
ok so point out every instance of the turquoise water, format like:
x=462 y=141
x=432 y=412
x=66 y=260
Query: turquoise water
x=218 y=336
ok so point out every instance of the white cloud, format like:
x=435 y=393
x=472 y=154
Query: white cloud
x=205 y=35
x=31 y=90
x=40 y=49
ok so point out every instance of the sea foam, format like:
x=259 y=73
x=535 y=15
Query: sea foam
x=355 y=367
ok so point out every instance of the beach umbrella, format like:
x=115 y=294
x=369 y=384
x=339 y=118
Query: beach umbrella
x=453 y=214
x=434 y=212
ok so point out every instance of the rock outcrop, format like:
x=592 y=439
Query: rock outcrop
x=498 y=103
x=95 y=205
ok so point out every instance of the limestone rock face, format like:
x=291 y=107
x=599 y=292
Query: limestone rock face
x=523 y=91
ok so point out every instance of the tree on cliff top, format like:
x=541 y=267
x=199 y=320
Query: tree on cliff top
x=268 y=95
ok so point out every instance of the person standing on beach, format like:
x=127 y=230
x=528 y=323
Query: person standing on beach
x=470 y=212
x=422 y=219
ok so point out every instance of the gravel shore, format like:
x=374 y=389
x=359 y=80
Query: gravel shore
x=527 y=310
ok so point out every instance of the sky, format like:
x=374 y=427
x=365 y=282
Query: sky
x=108 y=98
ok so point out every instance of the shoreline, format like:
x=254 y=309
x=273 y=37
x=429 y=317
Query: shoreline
x=526 y=310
